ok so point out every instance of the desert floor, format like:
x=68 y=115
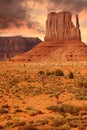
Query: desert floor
x=45 y=96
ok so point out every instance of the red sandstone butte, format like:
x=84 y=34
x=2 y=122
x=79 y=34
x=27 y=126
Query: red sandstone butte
x=62 y=41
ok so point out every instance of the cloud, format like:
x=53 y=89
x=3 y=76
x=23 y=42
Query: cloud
x=17 y=13
x=70 y=5
x=11 y=12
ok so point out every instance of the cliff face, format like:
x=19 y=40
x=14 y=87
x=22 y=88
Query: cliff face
x=12 y=46
x=59 y=26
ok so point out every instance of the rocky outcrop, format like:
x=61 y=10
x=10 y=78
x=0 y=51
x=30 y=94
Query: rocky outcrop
x=59 y=26
x=12 y=46
x=62 y=41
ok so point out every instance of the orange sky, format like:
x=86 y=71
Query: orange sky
x=28 y=17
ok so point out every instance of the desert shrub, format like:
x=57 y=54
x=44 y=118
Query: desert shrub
x=9 y=124
x=40 y=72
x=17 y=111
x=65 y=127
x=80 y=97
x=35 y=112
x=15 y=106
x=71 y=109
x=82 y=84
x=71 y=75
x=5 y=106
x=73 y=123
x=8 y=117
x=14 y=81
x=59 y=72
x=1 y=127
x=58 y=121
x=19 y=123
x=60 y=108
x=48 y=73
x=42 y=122
x=81 y=126
x=22 y=123
x=27 y=128
x=29 y=108
x=52 y=108
x=65 y=108
x=3 y=111
x=16 y=122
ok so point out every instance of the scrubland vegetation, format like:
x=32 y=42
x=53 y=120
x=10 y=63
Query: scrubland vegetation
x=43 y=96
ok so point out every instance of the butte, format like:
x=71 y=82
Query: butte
x=62 y=41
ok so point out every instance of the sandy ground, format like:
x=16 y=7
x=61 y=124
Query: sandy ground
x=25 y=94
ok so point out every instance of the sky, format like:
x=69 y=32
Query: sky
x=28 y=17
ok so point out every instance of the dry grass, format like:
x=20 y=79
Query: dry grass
x=34 y=92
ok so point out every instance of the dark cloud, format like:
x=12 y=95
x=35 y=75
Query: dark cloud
x=70 y=5
x=11 y=12
x=36 y=25
x=17 y=13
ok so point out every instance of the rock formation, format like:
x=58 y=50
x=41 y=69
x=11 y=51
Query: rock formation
x=59 y=26
x=12 y=46
x=61 y=43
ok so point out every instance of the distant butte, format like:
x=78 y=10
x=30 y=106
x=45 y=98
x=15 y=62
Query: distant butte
x=62 y=41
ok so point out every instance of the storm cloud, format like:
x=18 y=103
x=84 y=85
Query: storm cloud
x=11 y=12
x=14 y=13
x=70 y=5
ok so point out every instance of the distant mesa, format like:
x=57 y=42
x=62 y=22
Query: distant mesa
x=12 y=46
x=62 y=41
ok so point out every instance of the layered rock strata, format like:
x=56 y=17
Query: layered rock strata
x=12 y=46
x=62 y=41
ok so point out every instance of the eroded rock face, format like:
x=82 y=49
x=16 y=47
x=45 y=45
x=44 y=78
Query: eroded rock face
x=62 y=41
x=59 y=26
x=12 y=46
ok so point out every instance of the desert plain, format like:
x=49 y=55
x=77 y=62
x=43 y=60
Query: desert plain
x=43 y=95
